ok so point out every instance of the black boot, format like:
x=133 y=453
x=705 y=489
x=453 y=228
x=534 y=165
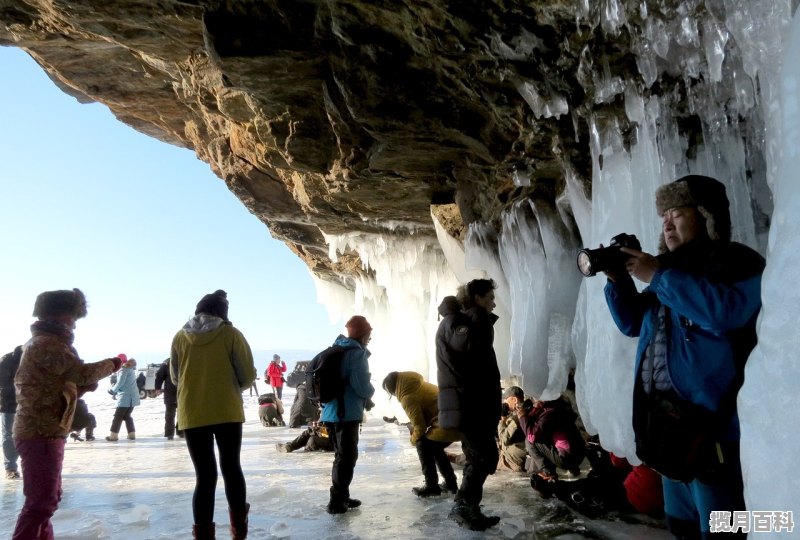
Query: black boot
x=89 y=434
x=336 y=506
x=205 y=531
x=75 y=436
x=428 y=490
x=471 y=517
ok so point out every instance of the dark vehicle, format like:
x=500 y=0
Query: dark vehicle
x=298 y=374
x=146 y=381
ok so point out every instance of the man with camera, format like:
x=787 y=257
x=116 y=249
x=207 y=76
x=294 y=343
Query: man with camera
x=696 y=327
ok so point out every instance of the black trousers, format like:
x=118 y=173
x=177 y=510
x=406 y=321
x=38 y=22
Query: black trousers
x=545 y=457
x=200 y=442
x=480 y=450
x=170 y=409
x=431 y=455
x=344 y=436
x=123 y=414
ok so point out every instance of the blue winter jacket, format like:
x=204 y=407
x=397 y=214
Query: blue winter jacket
x=358 y=390
x=126 y=389
x=711 y=312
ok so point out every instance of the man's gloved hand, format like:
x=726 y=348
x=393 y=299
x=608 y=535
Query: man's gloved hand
x=369 y=404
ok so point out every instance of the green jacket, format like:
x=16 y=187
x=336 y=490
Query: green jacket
x=419 y=400
x=211 y=363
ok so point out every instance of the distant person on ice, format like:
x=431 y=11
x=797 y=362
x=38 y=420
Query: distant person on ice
x=83 y=419
x=274 y=374
x=8 y=408
x=212 y=364
x=127 y=393
x=343 y=426
x=50 y=378
x=467 y=368
x=164 y=384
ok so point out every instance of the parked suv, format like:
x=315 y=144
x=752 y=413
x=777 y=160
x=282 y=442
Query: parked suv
x=298 y=374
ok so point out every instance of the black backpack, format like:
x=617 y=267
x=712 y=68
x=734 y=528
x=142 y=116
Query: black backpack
x=324 y=382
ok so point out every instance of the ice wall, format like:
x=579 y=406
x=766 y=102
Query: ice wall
x=404 y=278
x=767 y=403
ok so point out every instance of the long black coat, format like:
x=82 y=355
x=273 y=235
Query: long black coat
x=164 y=379
x=469 y=380
x=8 y=368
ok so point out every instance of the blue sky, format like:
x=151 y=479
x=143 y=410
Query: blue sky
x=144 y=228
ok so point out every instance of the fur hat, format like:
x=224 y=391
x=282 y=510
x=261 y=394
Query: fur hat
x=704 y=193
x=58 y=303
x=215 y=304
x=357 y=327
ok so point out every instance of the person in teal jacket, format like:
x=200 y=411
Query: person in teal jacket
x=343 y=425
x=127 y=394
x=696 y=327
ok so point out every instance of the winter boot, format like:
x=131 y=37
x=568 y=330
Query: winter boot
x=428 y=490
x=471 y=517
x=352 y=503
x=75 y=436
x=206 y=531
x=239 y=522
x=336 y=506
x=449 y=486
x=113 y=437
x=89 y=434
x=132 y=435
x=284 y=447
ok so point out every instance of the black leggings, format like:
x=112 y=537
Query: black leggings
x=200 y=442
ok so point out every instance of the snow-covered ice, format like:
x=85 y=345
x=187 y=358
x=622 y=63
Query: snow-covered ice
x=142 y=489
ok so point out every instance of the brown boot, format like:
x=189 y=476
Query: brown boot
x=205 y=531
x=239 y=522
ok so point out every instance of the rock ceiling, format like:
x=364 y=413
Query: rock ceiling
x=334 y=117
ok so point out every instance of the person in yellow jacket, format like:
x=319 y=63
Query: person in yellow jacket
x=211 y=363
x=419 y=400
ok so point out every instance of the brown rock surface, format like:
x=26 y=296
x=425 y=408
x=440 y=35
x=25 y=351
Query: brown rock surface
x=336 y=116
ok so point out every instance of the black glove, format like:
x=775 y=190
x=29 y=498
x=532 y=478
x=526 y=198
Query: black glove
x=369 y=404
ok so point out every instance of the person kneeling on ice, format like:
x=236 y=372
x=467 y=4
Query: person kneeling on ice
x=419 y=400
x=270 y=410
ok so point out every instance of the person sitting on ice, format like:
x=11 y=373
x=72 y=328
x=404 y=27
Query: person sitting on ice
x=270 y=410
x=303 y=410
x=510 y=436
x=313 y=438
x=82 y=419
x=552 y=438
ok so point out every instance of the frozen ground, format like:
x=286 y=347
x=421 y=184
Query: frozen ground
x=143 y=489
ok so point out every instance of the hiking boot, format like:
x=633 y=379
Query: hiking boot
x=471 y=517
x=283 y=447
x=427 y=491
x=337 y=507
x=12 y=475
x=353 y=503
x=75 y=437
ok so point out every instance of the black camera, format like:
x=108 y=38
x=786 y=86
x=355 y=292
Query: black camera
x=504 y=409
x=526 y=406
x=592 y=261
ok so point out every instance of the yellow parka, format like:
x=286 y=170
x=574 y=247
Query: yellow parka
x=419 y=400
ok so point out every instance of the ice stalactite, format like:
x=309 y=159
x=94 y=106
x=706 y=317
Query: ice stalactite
x=404 y=278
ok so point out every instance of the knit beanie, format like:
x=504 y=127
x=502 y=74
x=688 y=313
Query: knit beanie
x=123 y=357
x=215 y=304
x=704 y=193
x=58 y=303
x=357 y=327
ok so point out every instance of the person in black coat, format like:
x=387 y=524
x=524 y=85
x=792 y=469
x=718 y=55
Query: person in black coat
x=82 y=419
x=8 y=408
x=303 y=410
x=469 y=392
x=164 y=380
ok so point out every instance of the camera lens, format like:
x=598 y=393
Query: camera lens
x=585 y=263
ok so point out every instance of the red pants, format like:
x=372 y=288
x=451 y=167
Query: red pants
x=42 y=460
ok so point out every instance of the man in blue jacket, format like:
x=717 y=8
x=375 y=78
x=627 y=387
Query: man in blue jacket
x=343 y=425
x=696 y=326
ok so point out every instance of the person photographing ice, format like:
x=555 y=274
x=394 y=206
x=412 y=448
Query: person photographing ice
x=695 y=322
